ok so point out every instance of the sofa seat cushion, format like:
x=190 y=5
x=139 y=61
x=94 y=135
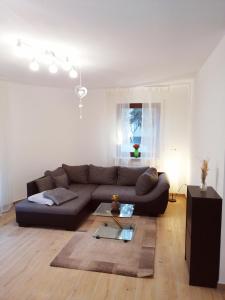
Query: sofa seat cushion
x=104 y=193
x=127 y=194
x=72 y=207
x=129 y=176
x=102 y=175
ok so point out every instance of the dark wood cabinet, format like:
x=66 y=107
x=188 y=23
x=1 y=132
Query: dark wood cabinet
x=202 y=243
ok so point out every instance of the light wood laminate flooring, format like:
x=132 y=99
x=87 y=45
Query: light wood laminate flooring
x=25 y=274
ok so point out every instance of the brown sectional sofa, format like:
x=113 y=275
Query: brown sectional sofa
x=95 y=185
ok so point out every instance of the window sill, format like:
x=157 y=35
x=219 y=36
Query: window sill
x=134 y=158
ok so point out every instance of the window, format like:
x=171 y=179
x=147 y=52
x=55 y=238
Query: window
x=139 y=123
x=135 y=121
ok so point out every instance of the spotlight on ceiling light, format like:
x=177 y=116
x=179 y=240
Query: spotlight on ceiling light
x=34 y=66
x=73 y=73
x=46 y=57
x=66 y=65
x=53 y=68
x=19 y=49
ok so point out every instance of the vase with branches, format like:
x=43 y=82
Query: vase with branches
x=204 y=173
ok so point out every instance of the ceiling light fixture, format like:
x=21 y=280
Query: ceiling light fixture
x=46 y=57
x=19 y=48
x=53 y=69
x=66 y=64
x=81 y=92
x=73 y=73
x=34 y=65
x=23 y=50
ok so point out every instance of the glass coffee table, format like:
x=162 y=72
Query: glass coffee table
x=115 y=230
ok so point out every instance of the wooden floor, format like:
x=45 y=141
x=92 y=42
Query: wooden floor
x=25 y=254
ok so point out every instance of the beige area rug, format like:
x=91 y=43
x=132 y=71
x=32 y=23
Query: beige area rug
x=134 y=258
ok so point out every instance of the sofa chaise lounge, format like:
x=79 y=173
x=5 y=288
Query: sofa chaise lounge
x=93 y=185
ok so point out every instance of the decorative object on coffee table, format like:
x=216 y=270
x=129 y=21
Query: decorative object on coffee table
x=118 y=231
x=204 y=173
x=115 y=204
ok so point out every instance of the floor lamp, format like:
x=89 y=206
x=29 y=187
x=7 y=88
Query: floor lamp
x=172 y=198
x=172 y=166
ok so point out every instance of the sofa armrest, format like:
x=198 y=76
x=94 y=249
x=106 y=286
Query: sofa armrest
x=155 y=202
x=32 y=188
x=162 y=186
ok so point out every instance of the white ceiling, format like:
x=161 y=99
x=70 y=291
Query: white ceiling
x=124 y=42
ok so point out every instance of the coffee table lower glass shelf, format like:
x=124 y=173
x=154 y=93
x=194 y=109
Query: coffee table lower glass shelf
x=112 y=231
x=115 y=230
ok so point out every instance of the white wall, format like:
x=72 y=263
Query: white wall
x=208 y=134
x=177 y=133
x=4 y=148
x=45 y=131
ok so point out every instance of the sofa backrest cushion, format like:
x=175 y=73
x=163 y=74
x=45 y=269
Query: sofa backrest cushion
x=129 y=176
x=61 y=181
x=147 y=181
x=77 y=174
x=56 y=172
x=102 y=175
x=44 y=183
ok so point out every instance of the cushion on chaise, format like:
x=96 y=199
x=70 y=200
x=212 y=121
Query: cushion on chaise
x=40 y=199
x=60 y=195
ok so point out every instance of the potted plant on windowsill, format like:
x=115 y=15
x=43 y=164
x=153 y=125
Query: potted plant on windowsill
x=136 y=152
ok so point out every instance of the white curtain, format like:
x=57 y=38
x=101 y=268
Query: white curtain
x=150 y=136
x=5 y=203
x=123 y=134
x=150 y=141
x=152 y=133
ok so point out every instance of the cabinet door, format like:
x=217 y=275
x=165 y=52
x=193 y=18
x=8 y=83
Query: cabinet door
x=189 y=213
x=188 y=249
